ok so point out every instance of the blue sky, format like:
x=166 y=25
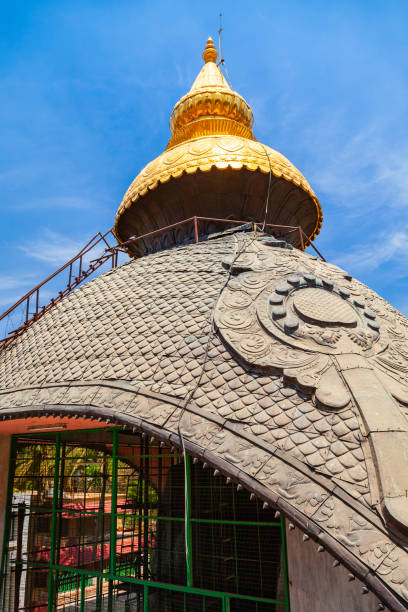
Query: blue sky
x=87 y=88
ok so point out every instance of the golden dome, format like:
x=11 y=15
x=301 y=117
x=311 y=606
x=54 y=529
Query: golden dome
x=220 y=152
x=210 y=107
x=211 y=131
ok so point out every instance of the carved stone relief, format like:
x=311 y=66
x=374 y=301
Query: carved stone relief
x=364 y=537
x=326 y=333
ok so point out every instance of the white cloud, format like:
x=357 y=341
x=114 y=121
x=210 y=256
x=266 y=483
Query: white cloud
x=384 y=249
x=52 y=248
x=366 y=168
x=8 y=283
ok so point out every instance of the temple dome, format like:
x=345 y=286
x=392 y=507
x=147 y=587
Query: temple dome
x=264 y=402
x=278 y=370
x=213 y=166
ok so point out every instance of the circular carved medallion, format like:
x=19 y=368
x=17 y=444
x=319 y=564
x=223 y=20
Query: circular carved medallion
x=254 y=344
x=238 y=299
x=253 y=281
x=324 y=307
x=236 y=319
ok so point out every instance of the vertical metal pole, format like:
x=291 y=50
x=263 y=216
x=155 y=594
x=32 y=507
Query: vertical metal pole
x=140 y=504
x=170 y=533
x=113 y=524
x=18 y=560
x=160 y=491
x=60 y=501
x=187 y=463
x=145 y=598
x=214 y=549
x=225 y=604
x=70 y=276
x=27 y=308
x=7 y=517
x=37 y=301
x=285 y=564
x=101 y=520
x=51 y=575
x=196 y=230
x=145 y=508
x=80 y=267
x=82 y=604
x=114 y=496
x=302 y=244
x=235 y=542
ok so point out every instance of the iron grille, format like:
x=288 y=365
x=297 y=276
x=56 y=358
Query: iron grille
x=96 y=522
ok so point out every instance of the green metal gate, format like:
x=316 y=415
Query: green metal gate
x=100 y=520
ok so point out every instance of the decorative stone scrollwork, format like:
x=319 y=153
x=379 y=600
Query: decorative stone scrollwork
x=328 y=334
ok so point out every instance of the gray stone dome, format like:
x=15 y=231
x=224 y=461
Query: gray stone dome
x=281 y=371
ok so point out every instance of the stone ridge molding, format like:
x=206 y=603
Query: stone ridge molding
x=329 y=335
x=349 y=531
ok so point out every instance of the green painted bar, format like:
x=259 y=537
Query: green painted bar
x=285 y=564
x=189 y=539
x=145 y=598
x=51 y=575
x=163 y=585
x=248 y=523
x=170 y=586
x=152 y=517
x=7 y=517
x=82 y=604
x=113 y=571
x=113 y=526
x=235 y=539
x=159 y=585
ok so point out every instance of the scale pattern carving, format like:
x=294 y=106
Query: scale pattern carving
x=146 y=325
x=331 y=336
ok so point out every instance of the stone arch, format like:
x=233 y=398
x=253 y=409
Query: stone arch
x=325 y=513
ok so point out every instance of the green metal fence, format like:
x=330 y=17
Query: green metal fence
x=100 y=520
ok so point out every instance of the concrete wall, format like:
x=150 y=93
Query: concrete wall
x=4 y=470
x=316 y=586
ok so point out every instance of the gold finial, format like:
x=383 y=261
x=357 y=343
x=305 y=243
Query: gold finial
x=210 y=52
x=210 y=107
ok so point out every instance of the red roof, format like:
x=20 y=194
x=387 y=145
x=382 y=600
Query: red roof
x=77 y=556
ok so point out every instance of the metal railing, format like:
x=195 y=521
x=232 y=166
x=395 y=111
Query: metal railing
x=80 y=268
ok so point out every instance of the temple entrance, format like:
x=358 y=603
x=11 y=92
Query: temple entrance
x=100 y=520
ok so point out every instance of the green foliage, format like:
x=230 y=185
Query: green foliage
x=141 y=490
x=34 y=468
x=84 y=469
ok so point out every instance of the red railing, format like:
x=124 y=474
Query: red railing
x=79 y=269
